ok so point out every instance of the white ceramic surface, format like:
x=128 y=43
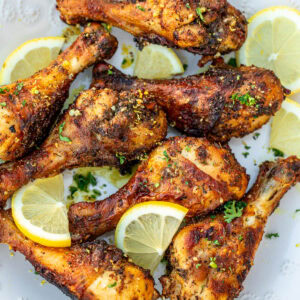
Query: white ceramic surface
x=276 y=273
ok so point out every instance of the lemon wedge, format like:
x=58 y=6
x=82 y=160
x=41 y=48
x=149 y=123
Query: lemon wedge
x=274 y=43
x=285 y=133
x=146 y=230
x=157 y=62
x=29 y=58
x=40 y=212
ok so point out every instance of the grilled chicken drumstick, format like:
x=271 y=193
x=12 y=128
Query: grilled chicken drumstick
x=222 y=103
x=99 y=128
x=92 y=271
x=199 y=26
x=30 y=107
x=211 y=259
x=189 y=171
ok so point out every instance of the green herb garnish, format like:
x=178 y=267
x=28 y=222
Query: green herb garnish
x=233 y=209
x=199 y=13
x=110 y=72
x=23 y=103
x=60 y=130
x=188 y=5
x=166 y=156
x=106 y=27
x=185 y=66
x=213 y=263
x=232 y=62
x=272 y=235
x=121 y=158
x=245 y=99
x=256 y=135
x=198 y=266
x=245 y=154
x=19 y=88
x=4 y=90
x=112 y=285
x=140 y=8
x=3 y=104
x=277 y=153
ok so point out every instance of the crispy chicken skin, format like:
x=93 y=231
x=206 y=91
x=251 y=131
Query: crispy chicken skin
x=91 y=271
x=32 y=105
x=193 y=172
x=202 y=105
x=174 y=23
x=210 y=260
x=98 y=128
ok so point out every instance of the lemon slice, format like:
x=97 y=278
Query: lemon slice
x=274 y=43
x=146 y=230
x=157 y=62
x=29 y=58
x=40 y=212
x=285 y=133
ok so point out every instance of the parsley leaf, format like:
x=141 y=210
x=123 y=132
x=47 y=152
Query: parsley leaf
x=272 y=235
x=121 y=158
x=277 y=152
x=256 y=135
x=245 y=99
x=60 y=130
x=199 y=13
x=112 y=285
x=4 y=90
x=233 y=209
x=19 y=88
x=3 y=104
x=140 y=8
x=213 y=263
x=232 y=62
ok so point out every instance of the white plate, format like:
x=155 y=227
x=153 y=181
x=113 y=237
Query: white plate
x=276 y=273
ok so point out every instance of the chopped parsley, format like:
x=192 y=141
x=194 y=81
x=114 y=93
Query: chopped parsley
x=156 y=184
x=247 y=147
x=110 y=72
x=188 y=5
x=245 y=99
x=83 y=182
x=23 y=103
x=112 y=285
x=233 y=209
x=18 y=88
x=272 y=235
x=232 y=62
x=213 y=217
x=124 y=62
x=166 y=156
x=216 y=242
x=240 y=238
x=140 y=8
x=198 y=266
x=277 y=153
x=121 y=158
x=245 y=154
x=256 y=135
x=107 y=27
x=297 y=210
x=3 y=104
x=213 y=263
x=185 y=66
x=4 y=90
x=187 y=148
x=60 y=130
x=199 y=13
